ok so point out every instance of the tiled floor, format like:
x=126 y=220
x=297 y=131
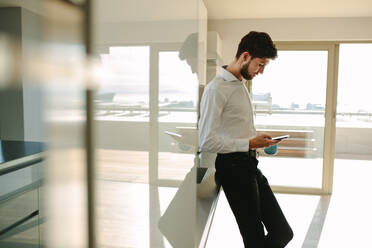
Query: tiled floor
x=346 y=223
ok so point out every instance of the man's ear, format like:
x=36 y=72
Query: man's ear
x=245 y=56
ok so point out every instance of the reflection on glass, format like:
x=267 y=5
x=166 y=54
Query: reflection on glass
x=178 y=88
x=148 y=90
x=123 y=96
x=289 y=98
x=178 y=91
x=122 y=114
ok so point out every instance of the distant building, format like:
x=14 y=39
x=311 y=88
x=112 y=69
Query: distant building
x=316 y=106
x=295 y=106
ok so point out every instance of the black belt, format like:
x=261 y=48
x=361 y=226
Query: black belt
x=250 y=154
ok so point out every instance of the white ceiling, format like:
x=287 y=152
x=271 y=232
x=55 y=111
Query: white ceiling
x=123 y=10
x=126 y=10
x=243 y=9
x=119 y=10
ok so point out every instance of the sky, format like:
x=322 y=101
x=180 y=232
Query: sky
x=300 y=77
x=355 y=78
x=294 y=77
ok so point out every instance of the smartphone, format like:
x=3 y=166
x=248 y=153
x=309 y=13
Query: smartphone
x=281 y=137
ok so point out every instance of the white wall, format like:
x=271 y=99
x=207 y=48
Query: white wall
x=122 y=33
x=291 y=29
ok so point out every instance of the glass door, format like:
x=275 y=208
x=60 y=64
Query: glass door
x=291 y=98
x=353 y=157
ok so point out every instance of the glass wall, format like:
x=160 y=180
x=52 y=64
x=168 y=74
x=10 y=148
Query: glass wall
x=354 y=109
x=145 y=118
x=289 y=98
x=138 y=186
x=353 y=151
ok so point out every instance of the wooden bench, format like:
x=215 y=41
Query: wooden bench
x=301 y=143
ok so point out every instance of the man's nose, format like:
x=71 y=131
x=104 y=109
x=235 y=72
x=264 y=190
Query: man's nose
x=261 y=70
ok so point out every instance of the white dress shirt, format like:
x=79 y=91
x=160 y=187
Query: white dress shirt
x=226 y=115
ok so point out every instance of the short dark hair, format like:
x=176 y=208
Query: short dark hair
x=258 y=44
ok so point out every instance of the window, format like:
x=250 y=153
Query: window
x=290 y=98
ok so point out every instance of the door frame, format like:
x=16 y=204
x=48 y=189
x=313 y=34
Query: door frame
x=330 y=115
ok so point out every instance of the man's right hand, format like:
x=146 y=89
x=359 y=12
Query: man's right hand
x=261 y=141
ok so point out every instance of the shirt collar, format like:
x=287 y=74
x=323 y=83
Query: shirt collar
x=228 y=76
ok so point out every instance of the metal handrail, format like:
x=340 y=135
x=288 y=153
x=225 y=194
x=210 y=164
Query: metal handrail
x=194 y=109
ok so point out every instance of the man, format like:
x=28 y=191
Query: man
x=226 y=127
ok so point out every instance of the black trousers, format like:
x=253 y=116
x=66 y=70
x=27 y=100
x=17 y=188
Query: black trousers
x=252 y=201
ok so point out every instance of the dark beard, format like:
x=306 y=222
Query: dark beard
x=244 y=71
